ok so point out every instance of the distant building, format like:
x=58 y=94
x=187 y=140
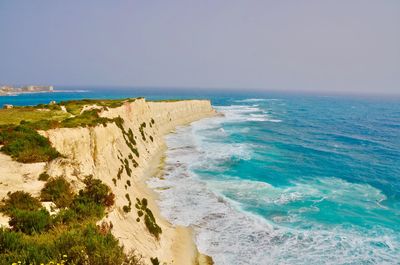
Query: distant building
x=7 y=90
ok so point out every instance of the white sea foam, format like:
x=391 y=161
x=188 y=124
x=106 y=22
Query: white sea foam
x=247 y=100
x=71 y=91
x=215 y=207
x=240 y=113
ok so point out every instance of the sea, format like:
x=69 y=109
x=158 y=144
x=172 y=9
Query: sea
x=279 y=178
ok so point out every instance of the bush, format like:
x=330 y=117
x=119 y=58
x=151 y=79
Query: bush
x=26 y=145
x=88 y=246
x=59 y=191
x=82 y=244
x=141 y=130
x=126 y=208
x=154 y=261
x=66 y=216
x=127 y=168
x=19 y=200
x=151 y=224
x=30 y=221
x=149 y=219
x=71 y=236
x=44 y=176
x=98 y=192
x=92 y=200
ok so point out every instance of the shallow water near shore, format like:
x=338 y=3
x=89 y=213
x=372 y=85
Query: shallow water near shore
x=289 y=181
x=280 y=179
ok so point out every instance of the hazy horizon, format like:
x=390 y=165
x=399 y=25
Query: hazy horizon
x=325 y=47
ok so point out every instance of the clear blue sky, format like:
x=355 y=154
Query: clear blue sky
x=338 y=45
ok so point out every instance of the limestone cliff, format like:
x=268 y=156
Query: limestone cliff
x=120 y=154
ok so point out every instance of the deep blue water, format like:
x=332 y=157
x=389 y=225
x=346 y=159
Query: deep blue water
x=281 y=179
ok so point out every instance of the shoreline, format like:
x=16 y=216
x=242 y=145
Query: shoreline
x=184 y=247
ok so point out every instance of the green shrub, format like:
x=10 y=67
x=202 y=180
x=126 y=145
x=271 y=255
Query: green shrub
x=135 y=164
x=29 y=222
x=79 y=244
x=87 y=245
x=71 y=237
x=67 y=216
x=151 y=224
x=86 y=208
x=98 y=192
x=92 y=200
x=127 y=168
x=141 y=130
x=59 y=191
x=126 y=208
x=128 y=136
x=149 y=219
x=44 y=176
x=26 y=145
x=154 y=261
x=19 y=200
x=120 y=170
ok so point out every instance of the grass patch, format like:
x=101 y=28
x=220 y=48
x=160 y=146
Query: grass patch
x=30 y=114
x=26 y=145
x=75 y=106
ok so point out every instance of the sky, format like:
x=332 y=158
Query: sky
x=339 y=46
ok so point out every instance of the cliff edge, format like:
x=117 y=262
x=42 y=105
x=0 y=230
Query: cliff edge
x=123 y=154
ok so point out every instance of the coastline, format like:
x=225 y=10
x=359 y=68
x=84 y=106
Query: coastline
x=184 y=248
x=106 y=153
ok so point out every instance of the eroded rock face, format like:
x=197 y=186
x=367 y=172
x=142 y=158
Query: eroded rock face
x=119 y=155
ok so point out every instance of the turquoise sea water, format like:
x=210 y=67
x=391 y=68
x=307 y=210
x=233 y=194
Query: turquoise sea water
x=282 y=179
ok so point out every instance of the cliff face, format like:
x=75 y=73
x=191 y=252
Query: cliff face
x=121 y=156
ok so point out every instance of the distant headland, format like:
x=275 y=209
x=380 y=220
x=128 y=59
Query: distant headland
x=7 y=90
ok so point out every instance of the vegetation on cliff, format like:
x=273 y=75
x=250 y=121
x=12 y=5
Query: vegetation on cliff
x=19 y=126
x=25 y=144
x=147 y=214
x=71 y=235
